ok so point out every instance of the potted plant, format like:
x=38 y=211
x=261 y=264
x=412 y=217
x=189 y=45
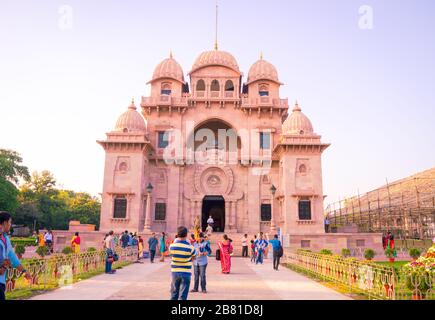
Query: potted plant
x=42 y=251
x=345 y=252
x=67 y=250
x=91 y=249
x=326 y=251
x=390 y=254
x=20 y=250
x=369 y=254
x=414 y=253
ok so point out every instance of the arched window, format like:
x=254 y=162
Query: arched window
x=229 y=85
x=120 y=207
x=215 y=86
x=166 y=88
x=302 y=168
x=263 y=90
x=200 y=85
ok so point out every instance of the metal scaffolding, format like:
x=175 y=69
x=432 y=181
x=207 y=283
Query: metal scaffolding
x=406 y=208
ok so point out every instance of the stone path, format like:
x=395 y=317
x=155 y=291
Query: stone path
x=152 y=281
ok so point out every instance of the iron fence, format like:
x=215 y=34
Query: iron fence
x=376 y=281
x=61 y=269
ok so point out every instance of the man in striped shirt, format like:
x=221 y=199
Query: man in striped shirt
x=182 y=253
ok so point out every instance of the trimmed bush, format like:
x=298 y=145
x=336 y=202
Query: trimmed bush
x=369 y=254
x=20 y=250
x=91 y=249
x=345 y=252
x=42 y=251
x=326 y=251
x=67 y=250
x=414 y=253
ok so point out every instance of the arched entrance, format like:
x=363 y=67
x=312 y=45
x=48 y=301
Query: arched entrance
x=214 y=206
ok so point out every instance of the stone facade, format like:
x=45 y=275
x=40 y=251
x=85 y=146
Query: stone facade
x=163 y=169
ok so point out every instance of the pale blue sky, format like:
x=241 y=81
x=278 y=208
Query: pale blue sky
x=368 y=92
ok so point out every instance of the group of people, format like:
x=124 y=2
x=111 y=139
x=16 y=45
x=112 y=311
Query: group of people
x=260 y=246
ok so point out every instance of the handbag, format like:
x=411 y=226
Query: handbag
x=218 y=254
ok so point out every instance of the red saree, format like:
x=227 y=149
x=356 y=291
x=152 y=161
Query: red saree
x=226 y=249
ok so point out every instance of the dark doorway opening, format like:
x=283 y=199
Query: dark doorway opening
x=214 y=206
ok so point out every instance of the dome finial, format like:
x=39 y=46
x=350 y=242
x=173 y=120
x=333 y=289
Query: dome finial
x=170 y=54
x=216 y=34
x=261 y=55
x=132 y=106
x=296 y=107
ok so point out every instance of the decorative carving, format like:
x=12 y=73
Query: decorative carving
x=213 y=180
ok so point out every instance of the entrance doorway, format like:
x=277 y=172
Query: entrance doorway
x=214 y=206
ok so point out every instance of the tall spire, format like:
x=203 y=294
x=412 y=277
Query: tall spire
x=216 y=31
x=261 y=55
x=170 y=54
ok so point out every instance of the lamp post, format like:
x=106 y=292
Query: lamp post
x=272 y=218
x=147 y=227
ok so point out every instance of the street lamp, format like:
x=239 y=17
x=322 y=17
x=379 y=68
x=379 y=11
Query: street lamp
x=272 y=218
x=150 y=187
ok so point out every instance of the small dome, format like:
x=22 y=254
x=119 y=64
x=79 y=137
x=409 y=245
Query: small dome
x=215 y=58
x=297 y=123
x=263 y=70
x=131 y=121
x=168 y=68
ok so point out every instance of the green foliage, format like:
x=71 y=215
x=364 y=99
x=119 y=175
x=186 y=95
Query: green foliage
x=42 y=251
x=389 y=253
x=20 y=249
x=67 y=250
x=303 y=250
x=345 y=252
x=325 y=251
x=91 y=249
x=369 y=254
x=414 y=253
x=23 y=241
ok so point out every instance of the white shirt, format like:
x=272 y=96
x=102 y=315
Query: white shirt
x=48 y=237
x=244 y=242
x=210 y=220
x=109 y=243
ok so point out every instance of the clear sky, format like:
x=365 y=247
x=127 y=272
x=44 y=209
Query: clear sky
x=370 y=92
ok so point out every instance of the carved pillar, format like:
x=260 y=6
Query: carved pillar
x=147 y=227
x=233 y=216
x=227 y=215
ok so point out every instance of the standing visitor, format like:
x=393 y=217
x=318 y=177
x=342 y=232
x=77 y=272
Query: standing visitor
x=48 y=238
x=8 y=258
x=226 y=249
x=162 y=247
x=41 y=238
x=245 y=246
x=260 y=246
x=210 y=221
x=390 y=243
x=203 y=250
x=124 y=239
x=209 y=230
x=192 y=239
x=253 y=249
x=277 y=251
x=182 y=253
x=384 y=240
x=75 y=243
x=140 y=248
x=326 y=224
x=152 y=245
x=109 y=246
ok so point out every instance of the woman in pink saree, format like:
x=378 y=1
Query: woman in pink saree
x=226 y=249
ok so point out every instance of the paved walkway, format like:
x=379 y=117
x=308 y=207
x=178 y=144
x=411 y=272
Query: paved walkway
x=152 y=281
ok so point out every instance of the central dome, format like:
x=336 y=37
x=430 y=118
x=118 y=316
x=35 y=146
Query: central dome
x=215 y=58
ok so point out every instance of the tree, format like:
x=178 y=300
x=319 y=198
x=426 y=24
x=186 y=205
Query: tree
x=11 y=171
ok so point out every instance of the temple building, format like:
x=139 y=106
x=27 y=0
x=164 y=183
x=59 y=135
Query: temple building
x=216 y=144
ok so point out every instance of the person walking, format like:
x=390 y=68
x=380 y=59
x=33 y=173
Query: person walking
x=245 y=246
x=327 y=224
x=75 y=243
x=260 y=246
x=182 y=254
x=162 y=247
x=49 y=241
x=125 y=239
x=226 y=249
x=152 y=245
x=277 y=250
x=203 y=250
x=41 y=239
x=109 y=246
x=8 y=258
